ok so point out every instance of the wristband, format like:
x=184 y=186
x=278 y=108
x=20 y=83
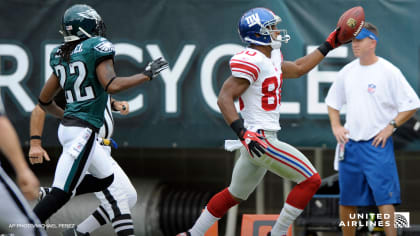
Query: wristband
x=325 y=48
x=238 y=127
x=44 y=103
x=35 y=137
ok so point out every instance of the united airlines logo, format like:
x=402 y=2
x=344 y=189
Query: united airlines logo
x=402 y=219
x=90 y=14
x=105 y=47
x=371 y=88
x=253 y=19
x=377 y=220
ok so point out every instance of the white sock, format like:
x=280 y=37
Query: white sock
x=287 y=215
x=88 y=225
x=203 y=223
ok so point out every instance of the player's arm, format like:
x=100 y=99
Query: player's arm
x=10 y=146
x=295 y=69
x=113 y=84
x=232 y=88
x=36 y=151
x=48 y=92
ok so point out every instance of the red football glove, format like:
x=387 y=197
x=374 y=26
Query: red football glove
x=332 y=38
x=253 y=143
x=330 y=43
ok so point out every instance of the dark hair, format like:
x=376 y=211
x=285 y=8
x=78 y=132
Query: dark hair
x=66 y=49
x=372 y=28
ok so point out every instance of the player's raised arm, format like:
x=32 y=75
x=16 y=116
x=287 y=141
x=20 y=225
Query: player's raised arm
x=295 y=69
x=113 y=84
x=342 y=34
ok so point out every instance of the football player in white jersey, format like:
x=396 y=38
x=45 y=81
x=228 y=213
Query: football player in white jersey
x=118 y=198
x=257 y=78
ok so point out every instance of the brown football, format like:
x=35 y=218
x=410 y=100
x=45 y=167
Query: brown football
x=351 y=23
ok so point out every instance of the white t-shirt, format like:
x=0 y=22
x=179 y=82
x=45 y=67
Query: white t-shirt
x=374 y=95
x=260 y=103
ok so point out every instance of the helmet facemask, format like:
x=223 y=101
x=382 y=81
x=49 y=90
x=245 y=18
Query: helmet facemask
x=277 y=36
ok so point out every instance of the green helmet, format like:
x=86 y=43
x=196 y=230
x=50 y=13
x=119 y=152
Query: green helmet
x=81 y=21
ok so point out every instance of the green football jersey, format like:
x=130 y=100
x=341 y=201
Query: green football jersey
x=85 y=96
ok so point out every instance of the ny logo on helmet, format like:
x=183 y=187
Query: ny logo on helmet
x=90 y=14
x=253 y=19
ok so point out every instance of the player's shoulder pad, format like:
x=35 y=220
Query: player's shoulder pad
x=100 y=44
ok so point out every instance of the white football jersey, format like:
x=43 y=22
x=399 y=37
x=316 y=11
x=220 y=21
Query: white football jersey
x=260 y=103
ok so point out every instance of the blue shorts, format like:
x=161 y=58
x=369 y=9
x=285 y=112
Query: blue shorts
x=368 y=175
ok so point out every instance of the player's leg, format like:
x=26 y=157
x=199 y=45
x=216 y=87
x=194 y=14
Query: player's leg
x=78 y=152
x=245 y=177
x=289 y=163
x=116 y=202
x=16 y=215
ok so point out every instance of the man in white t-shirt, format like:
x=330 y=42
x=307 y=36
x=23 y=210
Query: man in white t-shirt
x=379 y=100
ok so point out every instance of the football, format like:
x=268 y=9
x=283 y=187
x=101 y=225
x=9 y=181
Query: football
x=351 y=23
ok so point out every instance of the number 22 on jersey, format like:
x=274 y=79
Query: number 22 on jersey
x=78 y=91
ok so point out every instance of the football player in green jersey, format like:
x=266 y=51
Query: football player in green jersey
x=83 y=67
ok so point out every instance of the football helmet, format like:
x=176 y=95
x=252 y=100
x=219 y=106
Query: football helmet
x=259 y=26
x=81 y=21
